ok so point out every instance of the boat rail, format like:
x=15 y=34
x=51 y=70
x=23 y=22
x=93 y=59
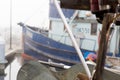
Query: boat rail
x=66 y=40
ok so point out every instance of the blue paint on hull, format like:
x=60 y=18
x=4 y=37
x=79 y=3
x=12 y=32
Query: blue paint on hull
x=43 y=48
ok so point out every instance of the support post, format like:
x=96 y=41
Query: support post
x=73 y=39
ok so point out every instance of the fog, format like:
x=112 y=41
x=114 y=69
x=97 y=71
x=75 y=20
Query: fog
x=31 y=12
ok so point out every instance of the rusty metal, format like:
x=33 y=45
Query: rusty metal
x=75 y=4
x=94 y=5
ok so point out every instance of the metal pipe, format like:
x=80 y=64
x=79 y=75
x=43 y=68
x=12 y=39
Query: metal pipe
x=73 y=39
x=55 y=64
x=10 y=24
x=10 y=72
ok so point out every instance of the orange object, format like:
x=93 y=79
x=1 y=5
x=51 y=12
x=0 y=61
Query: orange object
x=92 y=57
x=27 y=57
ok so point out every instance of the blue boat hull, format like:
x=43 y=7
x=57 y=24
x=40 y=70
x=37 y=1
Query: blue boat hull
x=43 y=48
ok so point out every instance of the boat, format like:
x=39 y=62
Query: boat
x=41 y=47
x=54 y=45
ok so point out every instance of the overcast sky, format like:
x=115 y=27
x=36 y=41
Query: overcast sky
x=33 y=12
